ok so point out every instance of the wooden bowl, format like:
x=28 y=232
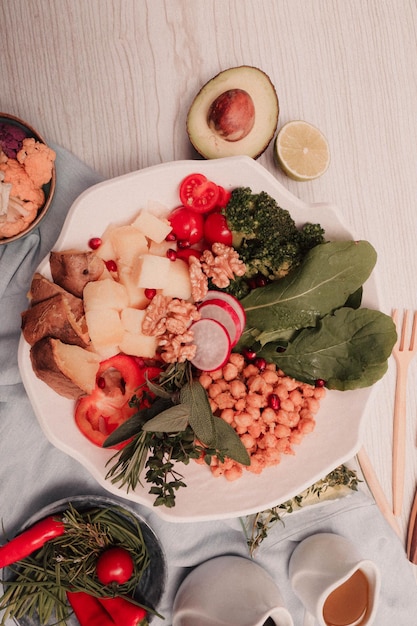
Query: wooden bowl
x=49 y=188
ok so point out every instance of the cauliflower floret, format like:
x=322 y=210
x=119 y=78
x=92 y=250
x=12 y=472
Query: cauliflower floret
x=19 y=215
x=23 y=186
x=38 y=160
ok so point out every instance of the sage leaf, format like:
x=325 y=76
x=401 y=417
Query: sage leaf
x=229 y=443
x=348 y=349
x=201 y=417
x=135 y=423
x=329 y=274
x=175 y=419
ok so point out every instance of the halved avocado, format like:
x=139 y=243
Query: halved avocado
x=235 y=113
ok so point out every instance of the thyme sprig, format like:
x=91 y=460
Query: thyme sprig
x=38 y=584
x=257 y=527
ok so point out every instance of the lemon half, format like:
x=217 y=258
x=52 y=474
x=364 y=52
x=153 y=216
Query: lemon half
x=302 y=150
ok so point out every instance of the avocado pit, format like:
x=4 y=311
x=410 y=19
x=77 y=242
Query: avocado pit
x=232 y=115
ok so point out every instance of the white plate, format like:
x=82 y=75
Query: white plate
x=337 y=435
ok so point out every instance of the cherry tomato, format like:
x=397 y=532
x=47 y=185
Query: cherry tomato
x=114 y=565
x=118 y=379
x=217 y=230
x=186 y=225
x=185 y=253
x=224 y=197
x=198 y=193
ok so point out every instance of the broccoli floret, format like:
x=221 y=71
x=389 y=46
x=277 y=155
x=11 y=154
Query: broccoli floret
x=266 y=236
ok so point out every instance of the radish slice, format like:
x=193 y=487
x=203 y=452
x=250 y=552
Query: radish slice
x=222 y=312
x=212 y=294
x=213 y=345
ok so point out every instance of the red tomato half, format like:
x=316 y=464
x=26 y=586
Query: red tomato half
x=186 y=225
x=217 y=230
x=198 y=193
x=118 y=380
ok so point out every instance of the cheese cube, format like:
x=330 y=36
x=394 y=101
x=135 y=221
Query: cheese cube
x=105 y=294
x=136 y=344
x=160 y=249
x=106 y=331
x=178 y=283
x=152 y=226
x=153 y=271
x=135 y=294
x=106 y=251
x=132 y=319
x=128 y=243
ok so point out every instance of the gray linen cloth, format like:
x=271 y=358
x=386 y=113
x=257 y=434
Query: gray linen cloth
x=33 y=473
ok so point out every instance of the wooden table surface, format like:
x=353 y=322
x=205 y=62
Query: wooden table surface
x=112 y=81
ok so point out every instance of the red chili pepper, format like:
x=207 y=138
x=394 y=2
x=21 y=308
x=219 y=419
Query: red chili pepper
x=123 y=612
x=88 y=609
x=30 y=540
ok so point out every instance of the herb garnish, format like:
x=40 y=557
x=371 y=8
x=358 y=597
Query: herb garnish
x=256 y=527
x=38 y=584
x=179 y=425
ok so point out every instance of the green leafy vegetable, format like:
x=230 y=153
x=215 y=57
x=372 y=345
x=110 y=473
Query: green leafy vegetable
x=329 y=274
x=194 y=396
x=348 y=349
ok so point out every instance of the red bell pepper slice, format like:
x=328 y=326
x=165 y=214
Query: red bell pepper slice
x=118 y=380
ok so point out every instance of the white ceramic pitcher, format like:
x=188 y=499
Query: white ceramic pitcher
x=229 y=590
x=320 y=568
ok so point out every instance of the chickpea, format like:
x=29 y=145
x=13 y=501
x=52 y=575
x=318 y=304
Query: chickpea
x=248 y=441
x=282 y=431
x=269 y=416
x=296 y=397
x=228 y=415
x=230 y=372
x=237 y=389
x=255 y=400
x=270 y=376
x=233 y=473
x=243 y=420
x=205 y=380
x=225 y=400
x=287 y=405
x=238 y=360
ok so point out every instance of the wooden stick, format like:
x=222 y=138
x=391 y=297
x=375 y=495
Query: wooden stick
x=377 y=491
x=412 y=533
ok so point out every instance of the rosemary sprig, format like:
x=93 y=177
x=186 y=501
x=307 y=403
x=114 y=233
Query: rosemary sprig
x=256 y=527
x=37 y=585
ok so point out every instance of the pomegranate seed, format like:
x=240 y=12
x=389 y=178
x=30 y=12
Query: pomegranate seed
x=249 y=354
x=101 y=383
x=252 y=283
x=274 y=401
x=150 y=293
x=171 y=237
x=171 y=254
x=320 y=382
x=94 y=243
x=111 y=266
x=260 y=363
x=261 y=281
x=183 y=244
